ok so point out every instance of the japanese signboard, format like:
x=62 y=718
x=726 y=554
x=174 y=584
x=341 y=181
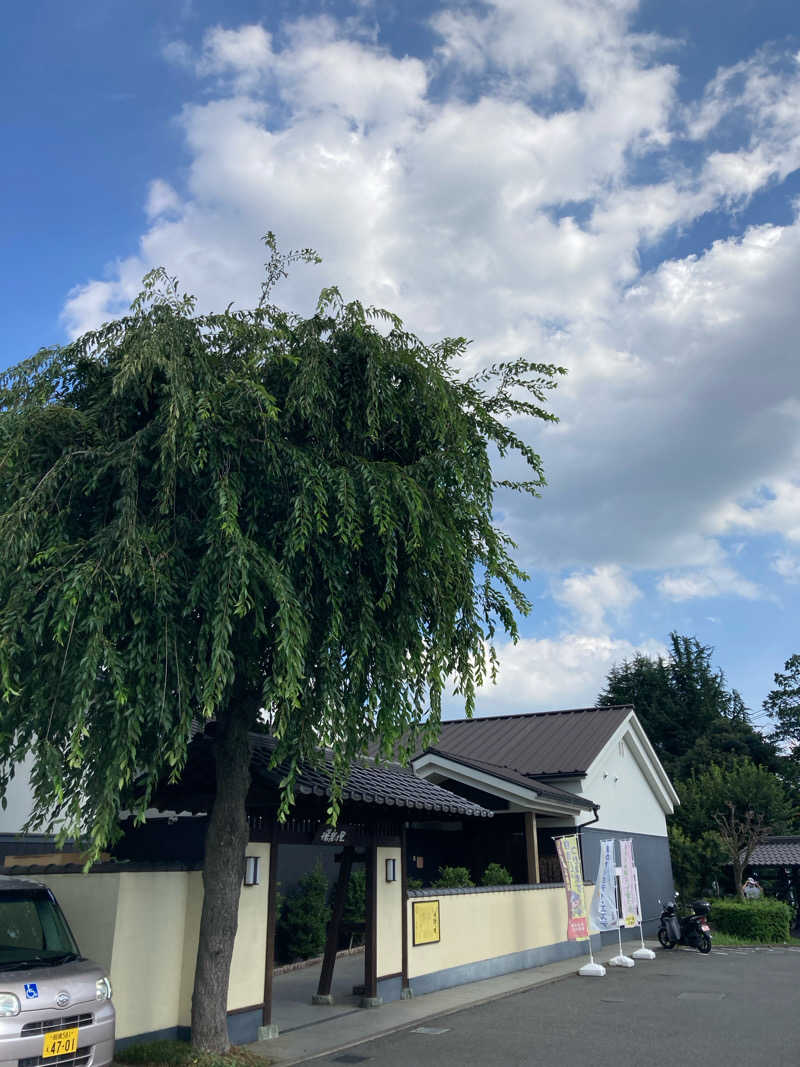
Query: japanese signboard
x=425 y=921
x=629 y=886
x=603 y=913
x=569 y=855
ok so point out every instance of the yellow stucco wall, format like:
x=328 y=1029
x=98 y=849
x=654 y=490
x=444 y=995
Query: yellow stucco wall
x=390 y=915
x=479 y=926
x=143 y=926
x=148 y=950
x=191 y=931
x=246 y=986
x=90 y=905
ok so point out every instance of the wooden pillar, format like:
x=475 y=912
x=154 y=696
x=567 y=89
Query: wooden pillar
x=532 y=848
x=272 y=900
x=371 y=939
x=404 y=914
x=323 y=994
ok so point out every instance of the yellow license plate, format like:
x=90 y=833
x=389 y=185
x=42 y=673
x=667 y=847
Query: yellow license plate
x=60 y=1042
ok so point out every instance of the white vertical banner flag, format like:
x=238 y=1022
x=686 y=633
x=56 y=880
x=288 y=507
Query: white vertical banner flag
x=629 y=886
x=631 y=900
x=603 y=914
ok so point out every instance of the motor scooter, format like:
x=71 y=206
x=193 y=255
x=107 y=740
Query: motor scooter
x=692 y=930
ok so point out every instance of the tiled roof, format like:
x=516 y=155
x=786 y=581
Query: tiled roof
x=537 y=745
x=777 y=852
x=368 y=783
x=387 y=785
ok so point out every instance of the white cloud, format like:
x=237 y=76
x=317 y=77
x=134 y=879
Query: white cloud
x=549 y=673
x=770 y=509
x=161 y=199
x=787 y=566
x=245 y=53
x=512 y=213
x=593 y=596
x=709 y=582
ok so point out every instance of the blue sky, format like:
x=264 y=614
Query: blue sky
x=608 y=185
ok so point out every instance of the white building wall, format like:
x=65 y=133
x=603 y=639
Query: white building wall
x=626 y=800
x=616 y=782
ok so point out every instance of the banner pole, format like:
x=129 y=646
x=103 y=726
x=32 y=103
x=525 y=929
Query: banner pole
x=621 y=960
x=569 y=856
x=643 y=953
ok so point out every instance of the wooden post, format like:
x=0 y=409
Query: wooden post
x=532 y=848
x=404 y=987
x=268 y=1029
x=323 y=994
x=371 y=998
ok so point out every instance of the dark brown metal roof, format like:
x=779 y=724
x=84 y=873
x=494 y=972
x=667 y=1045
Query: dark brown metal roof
x=536 y=745
x=777 y=852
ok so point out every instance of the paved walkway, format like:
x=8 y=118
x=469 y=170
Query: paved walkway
x=291 y=994
x=310 y=1032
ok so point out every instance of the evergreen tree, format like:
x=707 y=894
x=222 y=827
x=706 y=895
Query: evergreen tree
x=691 y=717
x=302 y=928
x=783 y=705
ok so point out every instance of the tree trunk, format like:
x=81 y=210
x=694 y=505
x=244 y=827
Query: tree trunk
x=738 y=868
x=223 y=875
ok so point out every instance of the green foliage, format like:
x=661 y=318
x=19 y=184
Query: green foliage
x=743 y=784
x=182 y=1054
x=783 y=705
x=763 y=921
x=496 y=874
x=302 y=925
x=691 y=717
x=203 y=516
x=724 y=812
x=413 y=883
x=355 y=904
x=453 y=878
x=696 y=862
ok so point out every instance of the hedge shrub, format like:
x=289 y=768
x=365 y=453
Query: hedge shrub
x=754 y=920
x=496 y=874
x=453 y=878
x=301 y=927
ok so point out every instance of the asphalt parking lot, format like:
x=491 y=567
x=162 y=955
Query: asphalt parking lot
x=736 y=1006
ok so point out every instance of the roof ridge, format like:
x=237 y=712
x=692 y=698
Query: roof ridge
x=538 y=714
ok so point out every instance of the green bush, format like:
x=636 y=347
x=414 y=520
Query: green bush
x=496 y=874
x=355 y=901
x=754 y=920
x=453 y=878
x=181 y=1054
x=302 y=925
x=413 y=883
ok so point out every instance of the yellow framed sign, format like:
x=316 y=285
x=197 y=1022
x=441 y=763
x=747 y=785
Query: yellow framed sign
x=425 y=922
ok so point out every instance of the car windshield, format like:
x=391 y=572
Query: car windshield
x=33 y=932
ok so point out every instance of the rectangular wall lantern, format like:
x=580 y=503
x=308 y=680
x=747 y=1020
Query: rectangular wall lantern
x=391 y=870
x=251 y=870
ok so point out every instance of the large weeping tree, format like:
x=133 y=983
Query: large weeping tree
x=247 y=516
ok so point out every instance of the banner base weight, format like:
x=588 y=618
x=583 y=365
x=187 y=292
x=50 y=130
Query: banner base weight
x=592 y=970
